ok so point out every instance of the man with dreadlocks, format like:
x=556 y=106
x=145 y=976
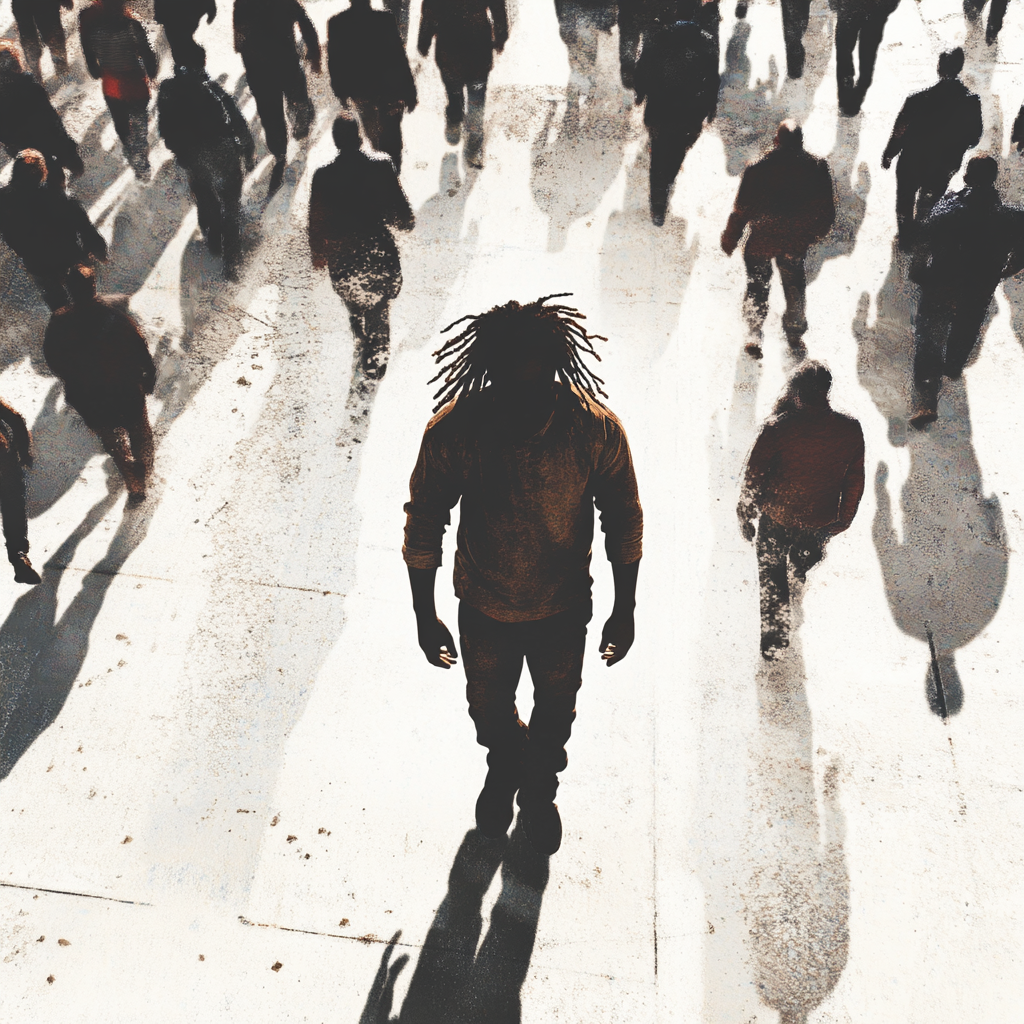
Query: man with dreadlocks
x=523 y=441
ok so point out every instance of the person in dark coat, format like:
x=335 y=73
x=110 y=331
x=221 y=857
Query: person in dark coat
x=180 y=19
x=355 y=204
x=368 y=65
x=933 y=131
x=27 y=117
x=996 y=13
x=117 y=51
x=803 y=483
x=39 y=22
x=967 y=245
x=203 y=127
x=15 y=458
x=467 y=31
x=98 y=351
x=858 y=23
x=677 y=78
x=49 y=230
x=639 y=19
x=788 y=199
x=796 y=16
x=265 y=38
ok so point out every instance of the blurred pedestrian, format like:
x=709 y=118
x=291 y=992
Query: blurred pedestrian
x=180 y=19
x=15 y=458
x=859 y=23
x=996 y=13
x=39 y=22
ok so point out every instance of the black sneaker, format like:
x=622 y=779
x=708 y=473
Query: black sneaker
x=494 y=811
x=23 y=571
x=543 y=827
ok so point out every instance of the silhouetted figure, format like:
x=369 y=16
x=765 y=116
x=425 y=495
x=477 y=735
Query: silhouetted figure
x=180 y=19
x=580 y=22
x=203 y=127
x=118 y=52
x=677 y=78
x=38 y=23
x=523 y=441
x=15 y=458
x=1017 y=135
x=355 y=203
x=265 y=38
x=640 y=19
x=47 y=228
x=27 y=117
x=859 y=24
x=101 y=356
x=803 y=483
x=996 y=13
x=796 y=15
x=368 y=65
x=788 y=200
x=968 y=244
x=933 y=131
x=468 y=32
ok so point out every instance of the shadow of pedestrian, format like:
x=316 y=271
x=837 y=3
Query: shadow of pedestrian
x=454 y=982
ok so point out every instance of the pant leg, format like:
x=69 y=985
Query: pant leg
x=140 y=440
x=669 y=146
x=847 y=30
x=300 y=108
x=54 y=289
x=755 y=302
x=907 y=185
x=267 y=92
x=996 y=13
x=476 y=95
x=773 y=543
x=794 y=288
x=208 y=207
x=25 y=16
x=456 y=91
x=972 y=9
x=117 y=444
x=52 y=30
x=120 y=114
x=931 y=328
x=964 y=331
x=372 y=123
x=795 y=17
x=12 y=503
x=138 y=134
x=554 y=654
x=232 y=180
x=391 y=136
x=492 y=656
x=931 y=192
x=870 y=39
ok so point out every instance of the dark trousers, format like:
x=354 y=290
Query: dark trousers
x=12 y=501
x=867 y=32
x=216 y=184
x=917 y=192
x=131 y=448
x=794 y=287
x=795 y=16
x=520 y=756
x=270 y=87
x=669 y=146
x=54 y=289
x=996 y=13
x=473 y=111
x=382 y=126
x=38 y=23
x=781 y=550
x=131 y=122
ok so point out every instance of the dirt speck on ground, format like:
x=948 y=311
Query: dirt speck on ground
x=277 y=966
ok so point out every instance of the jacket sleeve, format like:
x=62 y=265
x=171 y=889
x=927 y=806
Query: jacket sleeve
x=142 y=356
x=499 y=17
x=434 y=490
x=742 y=212
x=308 y=30
x=149 y=60
x=398 y=212
x=899 y=131
x=853 y=485
x=616 y=498
x=428 y=27
x=211 y=11
x=239 y=125
x=759 y=465
x=19 y=431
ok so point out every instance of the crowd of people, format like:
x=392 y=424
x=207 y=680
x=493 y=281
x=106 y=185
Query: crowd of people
x=521 y=436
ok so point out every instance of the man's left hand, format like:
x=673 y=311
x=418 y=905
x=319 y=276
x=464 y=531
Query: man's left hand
x=617 y=637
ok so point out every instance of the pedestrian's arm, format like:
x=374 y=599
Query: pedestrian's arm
x=895 y=144
x=337 y=64
x=433 y=636
x=243 y=134
x=149 y=59
x=499 y=18
x=19 y=431
x=1017 y=135
x=853 y=490
x=428 y=28
x=400 y=213
x=309 y=36
x=823 y=210
x=211 y=11
x=144 y=359
x=758 y=466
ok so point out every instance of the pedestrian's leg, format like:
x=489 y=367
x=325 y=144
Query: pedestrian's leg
x=773 y=575
x=755 y=302
x=138 y=138
x=794 y=288
x=54 y=289
x=377 y=339
x=300 y=108
x=931 y=193
x=847 y=29
x=140 y=438
x=476 y=93
x=907 y=185
x=207 y=208
x=231 y=214
x=456 y=108
x=31 y=47
x=965 y=330
x=391 y=136
x=267 y=93
x=52 y=30
x=870 y=39
x=931 y=328
x=120 y=114
x=996 y=13
x=117 y=445
x=795 y=17
x=370 y=122
x=806 y=551
x=492 y=656
x=15 y=519
x=972 y=9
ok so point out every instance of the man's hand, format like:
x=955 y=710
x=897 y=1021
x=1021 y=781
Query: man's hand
x=886 y=161
x=617 y=636
x=728 y=243
x=436 y=642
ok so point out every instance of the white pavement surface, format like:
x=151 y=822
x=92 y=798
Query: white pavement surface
x=222 y=750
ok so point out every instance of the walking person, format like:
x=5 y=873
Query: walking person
x=368 y=65
x=265 y=39
x=15 y=458
x=522 y=440
x=860 y=25
x=203 y=127
x=996 y=13
x=355 y=205
x=932 y=133
x=180 y=19
x=118 y=52
x=969 y=243
x=803 y=483
x=98 y=351
x=788 y=199
x=39 y=22
x=468 y=32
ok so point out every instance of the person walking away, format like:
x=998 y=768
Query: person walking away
x=180 y=19
x=368 y=65
x=468 y=32
x=788 y=199
x=15 y=458
x=996 y=13
x=803 y=483
x=522 y=440
x=39 y=22
x=858 y=23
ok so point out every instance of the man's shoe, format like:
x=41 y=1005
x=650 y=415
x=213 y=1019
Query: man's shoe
x=494 y=811
x=753 y=349
x=23 y=571
x=543 y=827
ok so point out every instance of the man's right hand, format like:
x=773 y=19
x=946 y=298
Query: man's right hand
x=886 y=162
x=436 y=641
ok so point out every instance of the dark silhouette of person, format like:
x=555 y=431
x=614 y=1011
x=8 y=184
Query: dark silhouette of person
x=639 y=19
x=368 y=65
x=468 y=32
x=580 y=22
x=180 y=19
x=931 y=134
x=1017 y=134
x=355 y=203
x=98 y=351
x=788 y=199
x=968 y=244
x=118 y=52
x=265 y=38
x=15 y=458
x=39 y=22
x=49 y=230
x=27 y=117
x=677 y=79
x=996 y=13
x=803 y=482
x=860 y=25
x=522 y=440
x=796 y=16
x=203 y=127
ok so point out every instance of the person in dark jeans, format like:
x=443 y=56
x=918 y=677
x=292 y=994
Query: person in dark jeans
x=15 y=458
x=996 y=13
x=803 y=483
x=796 y=15
x=522 y=440
x=180 y=19
x=788 y=199
x=39 y=22
x=933 y=131
x=859 y=24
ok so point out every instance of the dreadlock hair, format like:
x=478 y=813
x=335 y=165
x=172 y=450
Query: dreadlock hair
x=465 y=359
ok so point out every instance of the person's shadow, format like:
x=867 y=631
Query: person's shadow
x=454 y=981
